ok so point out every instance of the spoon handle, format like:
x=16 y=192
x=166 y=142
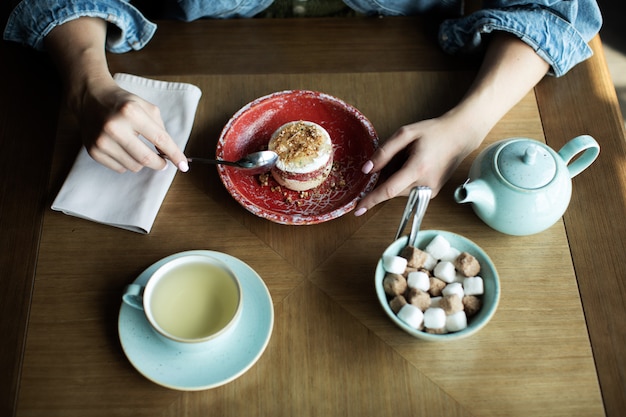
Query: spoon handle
x=205 y=160
x=211 y=161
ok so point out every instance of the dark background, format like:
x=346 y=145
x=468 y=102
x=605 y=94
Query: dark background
x=613 y=34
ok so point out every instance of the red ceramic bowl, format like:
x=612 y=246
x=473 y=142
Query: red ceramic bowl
x=249 y=130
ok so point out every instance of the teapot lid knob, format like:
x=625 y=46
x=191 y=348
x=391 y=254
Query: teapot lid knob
x=530 y=156
x=526 y=164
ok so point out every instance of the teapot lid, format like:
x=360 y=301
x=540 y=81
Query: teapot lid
x=526 y=164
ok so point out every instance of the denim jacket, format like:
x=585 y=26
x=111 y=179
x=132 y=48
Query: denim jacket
x=558 y=30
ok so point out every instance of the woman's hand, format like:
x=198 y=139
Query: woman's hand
x=436 y=147
x=111 y=119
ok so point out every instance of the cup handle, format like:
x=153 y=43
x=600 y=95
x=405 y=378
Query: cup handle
x=585 y=144
x=133 y=296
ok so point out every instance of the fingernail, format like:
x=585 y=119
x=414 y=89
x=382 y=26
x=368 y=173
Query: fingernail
x=360 y=212
x=367 y=167
x=183 y=166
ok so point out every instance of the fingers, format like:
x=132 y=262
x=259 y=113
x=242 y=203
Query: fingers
x=394 y=145
x=125 y=152
x=399 y=184
x=428 y=161
x=153 y=129
x=119 y=147
x=106 y=160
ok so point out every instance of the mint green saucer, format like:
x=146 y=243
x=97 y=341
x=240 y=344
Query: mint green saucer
x=221 y=363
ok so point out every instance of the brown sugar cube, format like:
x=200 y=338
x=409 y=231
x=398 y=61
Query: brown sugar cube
x=451 y=304
x=426 y=271
x=471 y=305
x=436 y=285
x=419 y=298
x=436 y=331
x=415 y=257
x=397 y=303
x=408 y=270
x=467 y=265
x=394 y=284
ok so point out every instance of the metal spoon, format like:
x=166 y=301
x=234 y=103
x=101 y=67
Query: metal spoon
x=254 y=163
x=419 y=197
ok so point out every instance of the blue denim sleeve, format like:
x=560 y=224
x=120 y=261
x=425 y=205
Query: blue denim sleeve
x=558 y=30
x=32 y=20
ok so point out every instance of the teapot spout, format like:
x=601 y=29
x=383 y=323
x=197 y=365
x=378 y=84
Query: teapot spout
x=478 y=193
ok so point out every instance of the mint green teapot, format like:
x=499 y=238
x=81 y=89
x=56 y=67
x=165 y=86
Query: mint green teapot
x=521 y=186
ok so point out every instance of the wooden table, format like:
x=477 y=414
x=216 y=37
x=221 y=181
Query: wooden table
x=556 y=346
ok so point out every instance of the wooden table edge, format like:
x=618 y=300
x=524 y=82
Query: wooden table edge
x=595 y=111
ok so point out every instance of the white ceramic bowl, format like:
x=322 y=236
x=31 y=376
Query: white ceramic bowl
x=488 y=272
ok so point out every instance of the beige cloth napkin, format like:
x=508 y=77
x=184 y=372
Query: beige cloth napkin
x=131 y=200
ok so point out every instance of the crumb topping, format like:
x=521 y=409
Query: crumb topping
x=298 y=141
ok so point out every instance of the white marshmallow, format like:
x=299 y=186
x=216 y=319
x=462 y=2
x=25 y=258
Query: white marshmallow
x=419 y=280
x=430 y=262
x=454 y=288
x=456 y=321
x=394 y=264
x=451 y=254
x=435 y=318
x=473 y=286
x=411 y=315
x=434 y=301
x=438 y=247
x=459 y=277
x=445 y=271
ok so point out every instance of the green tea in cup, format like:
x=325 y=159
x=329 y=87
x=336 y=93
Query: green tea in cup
x=189 y=301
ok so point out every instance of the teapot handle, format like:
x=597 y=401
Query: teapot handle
x=575 y=146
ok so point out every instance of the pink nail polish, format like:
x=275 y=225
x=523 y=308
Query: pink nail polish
x=367 y=167
x=183 y=166
x=360 y=212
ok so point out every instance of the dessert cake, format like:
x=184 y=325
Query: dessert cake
x=305 y=155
